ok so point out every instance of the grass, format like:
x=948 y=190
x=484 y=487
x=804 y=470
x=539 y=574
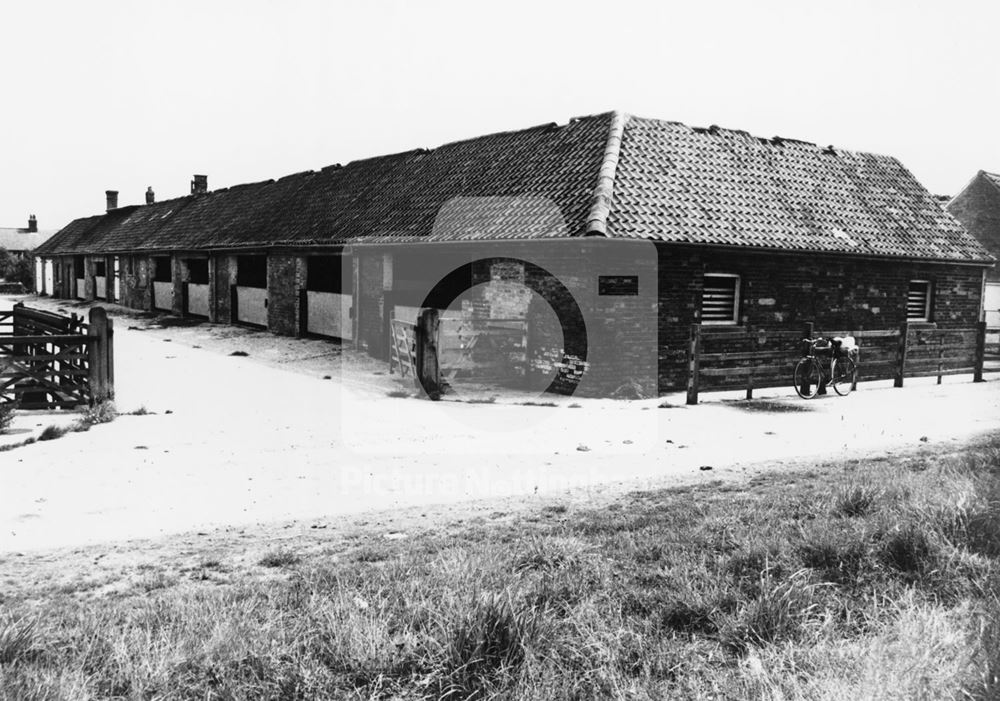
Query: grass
x=865 y=579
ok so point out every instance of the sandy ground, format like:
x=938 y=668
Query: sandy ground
x=300 y=433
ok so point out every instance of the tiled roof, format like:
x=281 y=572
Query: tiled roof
x=611 y=174
x=15 y=239
x=718 y=186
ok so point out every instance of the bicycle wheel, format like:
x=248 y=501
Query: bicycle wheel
x=807 y=377
x=843 y=375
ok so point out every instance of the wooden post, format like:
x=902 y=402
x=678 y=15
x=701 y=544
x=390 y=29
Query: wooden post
x=940 y=356
x=97 y=351
x=303 y=320
x=524 y=349
x=750 y=386
x=109 y=358
x=977 y=375
x=694 y=362
x=857 y=363
x=425 y=336
x=807 y=331
x=904 y=330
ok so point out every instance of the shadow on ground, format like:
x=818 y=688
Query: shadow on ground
x=772 y=406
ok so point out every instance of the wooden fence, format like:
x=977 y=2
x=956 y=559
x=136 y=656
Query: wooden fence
x=51 y=361
x=757 y=358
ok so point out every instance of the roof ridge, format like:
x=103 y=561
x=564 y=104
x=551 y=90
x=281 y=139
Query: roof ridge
x=604 y=189
x=992 y=178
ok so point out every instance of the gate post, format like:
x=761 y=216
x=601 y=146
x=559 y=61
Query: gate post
x=101 y=372
x=977 y=375
x=428 y=369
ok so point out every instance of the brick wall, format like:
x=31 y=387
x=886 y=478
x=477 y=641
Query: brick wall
x=788 y=291
x=370 y=307
x=223 y=278
x=285 y=277
x=613 y=337
x=135 y=287
x=977 y=207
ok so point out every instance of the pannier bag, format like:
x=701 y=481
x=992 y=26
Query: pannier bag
x=845 y=346
x=819 y=347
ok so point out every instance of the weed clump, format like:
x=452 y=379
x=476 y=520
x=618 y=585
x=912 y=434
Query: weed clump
x=18 y=638
x=101 y=413
x=279 y=558
x=776 y=615
x=908 y=549
x=52 y=432
x=486 y=647
x=7 y=410
x=857 y=500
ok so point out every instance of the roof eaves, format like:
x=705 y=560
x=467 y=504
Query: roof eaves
x=600 y=203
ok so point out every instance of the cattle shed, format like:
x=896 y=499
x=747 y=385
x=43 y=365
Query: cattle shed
x=611 y=235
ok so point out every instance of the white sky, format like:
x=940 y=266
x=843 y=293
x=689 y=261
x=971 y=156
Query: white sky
x=104 y=95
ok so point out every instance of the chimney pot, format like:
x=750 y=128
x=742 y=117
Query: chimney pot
x=112 y=196
x=199 y=186
x=32 y=224
x=150 y=195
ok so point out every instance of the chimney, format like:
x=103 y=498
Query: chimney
x=32 y=224
x=150 y=195
x=112 y=196
x=199 y=186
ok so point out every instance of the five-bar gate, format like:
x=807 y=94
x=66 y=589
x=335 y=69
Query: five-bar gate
x=51 y=361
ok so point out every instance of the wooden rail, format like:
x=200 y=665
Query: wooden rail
x=765 y=357
x=50 y=361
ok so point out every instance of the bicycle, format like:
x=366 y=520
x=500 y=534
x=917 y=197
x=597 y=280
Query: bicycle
x=813 y=373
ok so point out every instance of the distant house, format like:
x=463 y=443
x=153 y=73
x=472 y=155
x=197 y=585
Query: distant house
x=977 y=206
x=742 y=232
x=21 y=241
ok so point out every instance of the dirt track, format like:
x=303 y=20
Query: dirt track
x=265 y=438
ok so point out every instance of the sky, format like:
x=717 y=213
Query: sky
x=107 y=95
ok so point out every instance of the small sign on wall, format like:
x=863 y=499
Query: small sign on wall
x=618 y=285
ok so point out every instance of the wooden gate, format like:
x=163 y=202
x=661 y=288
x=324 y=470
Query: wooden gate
x=403 y=349
x=50 y=361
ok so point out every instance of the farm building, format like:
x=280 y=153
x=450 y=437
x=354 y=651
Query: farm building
x=977 y=207
x=20 y=241
x=616 y=233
